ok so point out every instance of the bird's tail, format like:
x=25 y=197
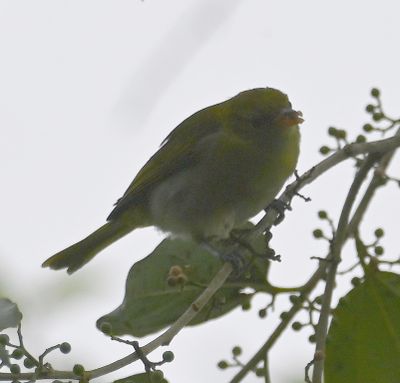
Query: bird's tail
x=74 y=257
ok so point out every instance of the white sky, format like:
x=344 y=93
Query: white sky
x=88 y=90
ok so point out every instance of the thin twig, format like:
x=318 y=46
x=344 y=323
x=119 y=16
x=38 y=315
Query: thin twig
x=260 y=354
x=337 y=244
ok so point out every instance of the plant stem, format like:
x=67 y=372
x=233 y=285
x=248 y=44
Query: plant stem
x=334 y=260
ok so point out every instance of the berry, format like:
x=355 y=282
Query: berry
x=172 y=281
x=296 y=326
x=4 y=339
x=17 y=353
x=311 y=338
x=29 y=363
x=168 y=356
x=175 y=271
x=379 y=250
x=78 y=370
x=322 y=214
x=341 y=134
x=332 y=131
x=377 y=116
x=236 y=350
x=262 y=313
x=324 y=150
x=355 y=281
x=361 y=139
x=368 y=128
x=15 y=369
x=223 y=364
x=379 y=233
x=318 y=233
x=284 y=315
x=370 y=108
x=65 y=347
x=375 y=92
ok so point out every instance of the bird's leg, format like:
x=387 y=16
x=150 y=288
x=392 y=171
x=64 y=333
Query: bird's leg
x=227 y=251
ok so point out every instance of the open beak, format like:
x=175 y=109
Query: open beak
x=290 y=117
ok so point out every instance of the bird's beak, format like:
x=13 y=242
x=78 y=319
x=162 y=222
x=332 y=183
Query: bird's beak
x=290 y=117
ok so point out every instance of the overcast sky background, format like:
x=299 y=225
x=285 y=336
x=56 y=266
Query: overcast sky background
x=89 y=89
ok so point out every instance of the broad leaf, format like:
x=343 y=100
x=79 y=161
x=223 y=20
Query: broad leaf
x=364 y=337
x=10 y=316
x=150 y=377
x=150 y=304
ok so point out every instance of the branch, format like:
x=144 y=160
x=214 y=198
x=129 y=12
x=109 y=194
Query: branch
x=374 y=184
x=334 y=260
x=260 y=354
x=351 y=150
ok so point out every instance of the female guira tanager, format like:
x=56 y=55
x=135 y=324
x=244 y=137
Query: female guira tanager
x=218 y=168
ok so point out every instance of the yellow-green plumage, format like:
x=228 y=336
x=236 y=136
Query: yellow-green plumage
x=215 y=170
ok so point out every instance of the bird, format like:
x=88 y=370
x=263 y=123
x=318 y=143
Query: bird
x=214 y=171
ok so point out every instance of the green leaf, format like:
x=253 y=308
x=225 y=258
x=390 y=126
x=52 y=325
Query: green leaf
x=10 y=316
x=150 y=304
x=146 y=377
x=364 y=338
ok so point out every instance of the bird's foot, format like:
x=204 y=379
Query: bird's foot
x=280 y=207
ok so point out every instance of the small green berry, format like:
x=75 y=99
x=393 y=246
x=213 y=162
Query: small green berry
x=322 y=214
x=318 y=233
x=377 y=116
x=284 y=315
x=4 y=339
x=78 y=370
x=341 y=134
x=168 y=356
x=361 y=139
x=296 y=326
x=324 y=150
x=15 y=369
x=259 y=372
x=368 y=128
x=294 y=299
x=17 y=353
x=312 y=338
x=370 y=108
x=236 y=351
x=355 y=281
x=379 y=232
x=65 y=347
x=29 y=363
x=223 y=364
x=262 y=313
x=246 y=306
x=332 y=131
x=375 y=92
x=172 y=281
x=379 y=250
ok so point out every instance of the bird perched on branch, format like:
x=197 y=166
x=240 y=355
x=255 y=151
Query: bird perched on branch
x=218 y=168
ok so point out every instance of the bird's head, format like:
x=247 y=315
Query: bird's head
x=266 y=107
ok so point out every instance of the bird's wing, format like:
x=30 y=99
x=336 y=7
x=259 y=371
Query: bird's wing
x=177 y=152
